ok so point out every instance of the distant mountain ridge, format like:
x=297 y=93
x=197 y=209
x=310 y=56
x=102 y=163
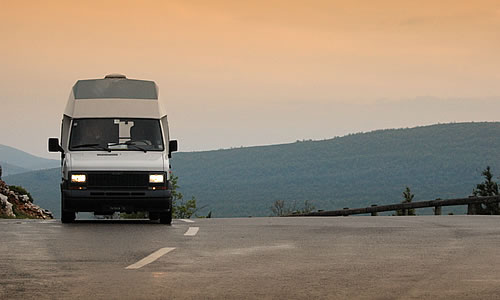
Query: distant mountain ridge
x=356 y=170
x=14 y=161
x=438 y=161
x=9 y=169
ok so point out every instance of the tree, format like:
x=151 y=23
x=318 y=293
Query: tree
x=181 y=208
x=487 y=188
x=308 y=207
x=280 y=209
x=408 y=197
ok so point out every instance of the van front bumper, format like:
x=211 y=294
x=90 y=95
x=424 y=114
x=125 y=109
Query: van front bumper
x=117 y=200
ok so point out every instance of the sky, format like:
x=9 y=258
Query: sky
x=245 y=73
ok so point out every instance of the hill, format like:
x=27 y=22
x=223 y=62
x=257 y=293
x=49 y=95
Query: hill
x=15 y=160
x=442 y=161
x=9 y=169
x=438 y=161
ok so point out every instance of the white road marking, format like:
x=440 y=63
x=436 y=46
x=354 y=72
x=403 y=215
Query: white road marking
x=192 y=231
x=482 y=280
x=149 y=259
x=187 y=220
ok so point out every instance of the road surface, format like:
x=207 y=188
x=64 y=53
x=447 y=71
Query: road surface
x=424 y=257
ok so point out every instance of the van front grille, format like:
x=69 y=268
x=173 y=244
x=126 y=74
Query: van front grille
x=122 y=180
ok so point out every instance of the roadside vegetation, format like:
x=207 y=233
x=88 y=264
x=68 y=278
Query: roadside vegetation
x=407 y=198
x=488 y=187
x=280 y=208
x=21 y=191
x=17 y=203
x=181 y=208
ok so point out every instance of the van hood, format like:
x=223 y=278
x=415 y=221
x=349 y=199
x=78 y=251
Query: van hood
x=116 y=161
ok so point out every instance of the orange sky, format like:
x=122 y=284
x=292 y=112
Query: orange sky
x=254 y=72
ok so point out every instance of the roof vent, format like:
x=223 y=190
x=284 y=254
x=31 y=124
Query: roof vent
x=116 y=76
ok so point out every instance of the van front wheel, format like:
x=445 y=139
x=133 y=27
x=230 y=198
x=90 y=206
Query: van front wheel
x=166 y=218
x=153 y=216
x=66 y=216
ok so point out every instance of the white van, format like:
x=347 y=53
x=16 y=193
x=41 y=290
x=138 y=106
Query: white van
x=115 y=150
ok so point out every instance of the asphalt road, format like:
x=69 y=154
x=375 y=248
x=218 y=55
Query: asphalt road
x=427 y=257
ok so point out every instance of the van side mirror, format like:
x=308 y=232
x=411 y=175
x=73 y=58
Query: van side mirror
x=172 y=147
x=54 y=145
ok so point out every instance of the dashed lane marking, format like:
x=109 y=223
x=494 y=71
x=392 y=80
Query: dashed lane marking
x=187 y=220
x=192 y=231
x=482 y=280
x=149 y=259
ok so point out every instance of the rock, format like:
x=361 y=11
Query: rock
x=48 y=213
x=6 y=206
x=10 y=200
x=24 y=198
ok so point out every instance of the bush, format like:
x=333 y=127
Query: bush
x=135 y=215
x=280 y=209
x=408 y=197
x=20 y=214
x=21 y=191
x=182 y=208
x=487 y=188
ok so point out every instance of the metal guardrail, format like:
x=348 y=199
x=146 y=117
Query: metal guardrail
x=473 y=208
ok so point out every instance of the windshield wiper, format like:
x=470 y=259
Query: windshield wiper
x=129 y=143
x=95 y=146
x=140 y=148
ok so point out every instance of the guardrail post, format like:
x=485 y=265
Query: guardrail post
x=374 y=213
x=437 y=210
x=345 y=213
x=471 y=209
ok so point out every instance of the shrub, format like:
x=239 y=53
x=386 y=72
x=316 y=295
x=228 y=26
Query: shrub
x=21 y=191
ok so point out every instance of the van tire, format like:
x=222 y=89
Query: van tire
x=166 y=218
x=153 y=216
x=66 y=216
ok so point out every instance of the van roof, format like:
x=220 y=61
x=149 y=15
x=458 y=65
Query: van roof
x=114 y=96
x=115 y=87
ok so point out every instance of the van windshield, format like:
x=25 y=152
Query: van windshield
x=116 y=134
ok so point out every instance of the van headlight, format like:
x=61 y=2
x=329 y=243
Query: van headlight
x=78 y=178
x=156 y=178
